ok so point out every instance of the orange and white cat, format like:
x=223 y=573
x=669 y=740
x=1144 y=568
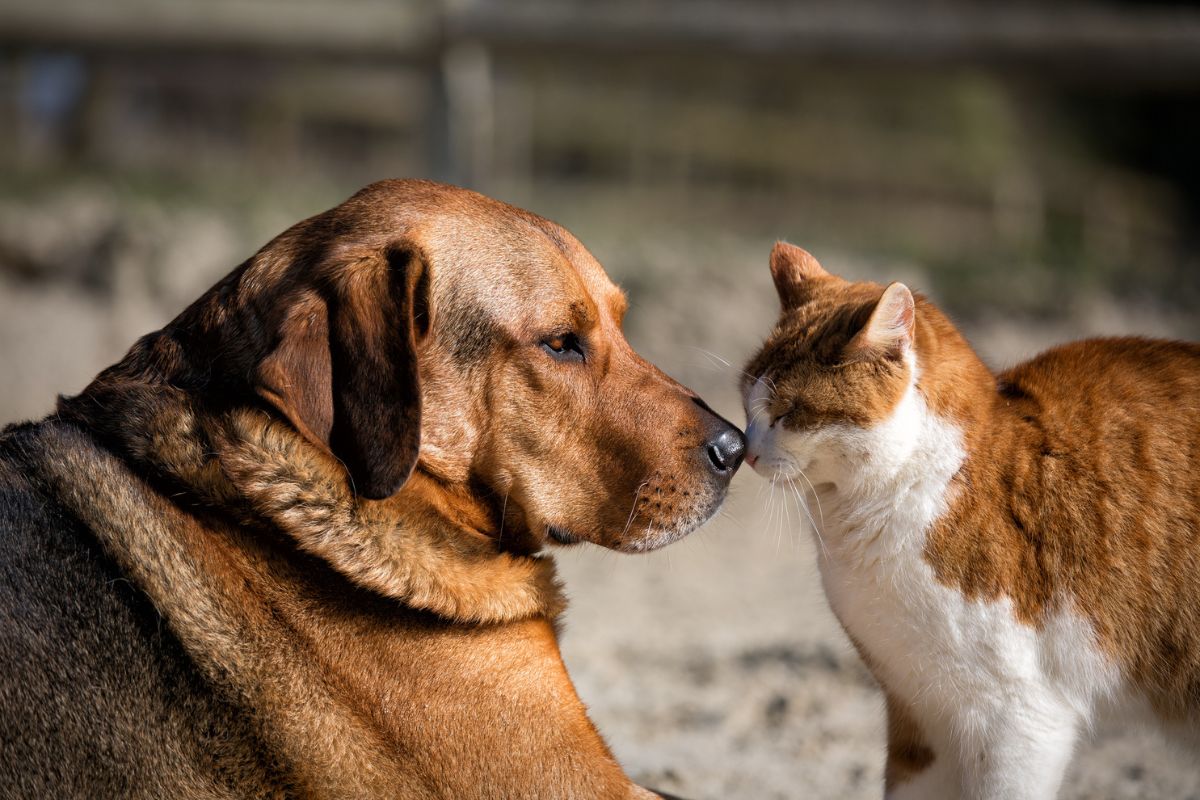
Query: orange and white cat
x=1011 y=554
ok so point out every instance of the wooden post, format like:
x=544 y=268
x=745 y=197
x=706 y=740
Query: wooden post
x=470 y=97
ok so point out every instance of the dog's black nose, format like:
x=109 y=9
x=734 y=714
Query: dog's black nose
x=725 y=450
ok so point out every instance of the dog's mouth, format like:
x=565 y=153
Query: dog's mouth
x=561 y=536
x=658 y=518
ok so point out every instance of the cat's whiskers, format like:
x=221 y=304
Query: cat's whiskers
x=762 y=406
x=775 y=515
x=718 y=359
x=813 y=490
x=808 y=512
x=721 y=362
x=787 y=514
x=771 y=507
x=788 y=494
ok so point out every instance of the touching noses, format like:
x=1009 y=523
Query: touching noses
x=754 y=444
x=724 y=445
x=725 y=450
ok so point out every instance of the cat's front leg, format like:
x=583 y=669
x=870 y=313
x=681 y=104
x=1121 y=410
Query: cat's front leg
x=939 y=781
x=916 y=769
x=1017 y=753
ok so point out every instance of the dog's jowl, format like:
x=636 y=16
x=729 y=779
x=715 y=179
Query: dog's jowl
x=289 y=546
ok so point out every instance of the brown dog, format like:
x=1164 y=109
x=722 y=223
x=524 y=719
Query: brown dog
x=288 y=546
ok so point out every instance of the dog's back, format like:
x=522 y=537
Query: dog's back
x=99 y=698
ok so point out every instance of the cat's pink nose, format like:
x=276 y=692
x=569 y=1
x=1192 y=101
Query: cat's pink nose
x=751 y=458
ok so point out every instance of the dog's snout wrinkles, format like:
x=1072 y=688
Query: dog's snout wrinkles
x=725 y=450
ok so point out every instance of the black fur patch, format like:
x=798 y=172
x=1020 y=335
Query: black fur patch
x=99 y=698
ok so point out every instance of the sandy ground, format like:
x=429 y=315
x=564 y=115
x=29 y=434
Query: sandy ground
x=714 y=667
x=715 y=670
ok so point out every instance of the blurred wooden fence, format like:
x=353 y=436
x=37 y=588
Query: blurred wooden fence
x=925 y=127
x=1140 y=42
x=430 y=75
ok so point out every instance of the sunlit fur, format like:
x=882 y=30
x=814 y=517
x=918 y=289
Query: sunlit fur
x=959 y=539
x=287 y=546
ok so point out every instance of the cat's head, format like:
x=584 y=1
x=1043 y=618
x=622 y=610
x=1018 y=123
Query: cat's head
x=829 y=389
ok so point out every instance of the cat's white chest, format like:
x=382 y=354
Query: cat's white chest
x=986 y=691
x=947 y=656
x=917 y=635
x=915 y=631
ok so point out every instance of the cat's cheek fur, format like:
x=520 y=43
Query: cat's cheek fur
x=760 y=434
x=842 y=454
x=998 y=702
x=771 y=450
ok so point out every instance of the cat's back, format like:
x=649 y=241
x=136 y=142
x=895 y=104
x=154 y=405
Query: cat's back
x=1102 y=437
x=1094 y=389
x=1095 y=497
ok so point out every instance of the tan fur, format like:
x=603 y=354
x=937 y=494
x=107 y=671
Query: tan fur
x=1083 y=486
x=397 y=547
x=907 y=752
x=332 y=475
x=332 y=683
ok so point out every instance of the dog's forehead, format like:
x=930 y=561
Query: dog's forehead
x=590 y=277
x=518 y=265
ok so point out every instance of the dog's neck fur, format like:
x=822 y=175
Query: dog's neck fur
x=417 y=547
x=360 y=666
x=352 y=694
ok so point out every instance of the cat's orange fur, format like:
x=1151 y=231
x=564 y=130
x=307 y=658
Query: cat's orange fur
x=1077 y=493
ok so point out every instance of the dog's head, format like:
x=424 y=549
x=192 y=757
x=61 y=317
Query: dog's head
x=420 y=326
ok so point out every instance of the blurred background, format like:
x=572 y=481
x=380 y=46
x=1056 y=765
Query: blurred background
x=1034 y=167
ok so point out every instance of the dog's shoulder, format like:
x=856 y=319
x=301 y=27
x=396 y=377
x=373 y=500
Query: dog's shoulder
x=44 y=551
x=49 y=562
x=95 y=690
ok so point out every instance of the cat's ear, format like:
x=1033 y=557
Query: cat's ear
x=792 y=267
x=890 y=330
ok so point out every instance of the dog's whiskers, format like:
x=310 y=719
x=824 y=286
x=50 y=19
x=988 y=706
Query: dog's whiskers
x=503 y=515
x=633 y=509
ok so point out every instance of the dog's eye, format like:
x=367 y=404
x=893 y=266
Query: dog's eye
x=564 y=347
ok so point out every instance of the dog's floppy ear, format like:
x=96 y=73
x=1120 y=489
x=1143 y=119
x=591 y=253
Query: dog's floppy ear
x=343 y=369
